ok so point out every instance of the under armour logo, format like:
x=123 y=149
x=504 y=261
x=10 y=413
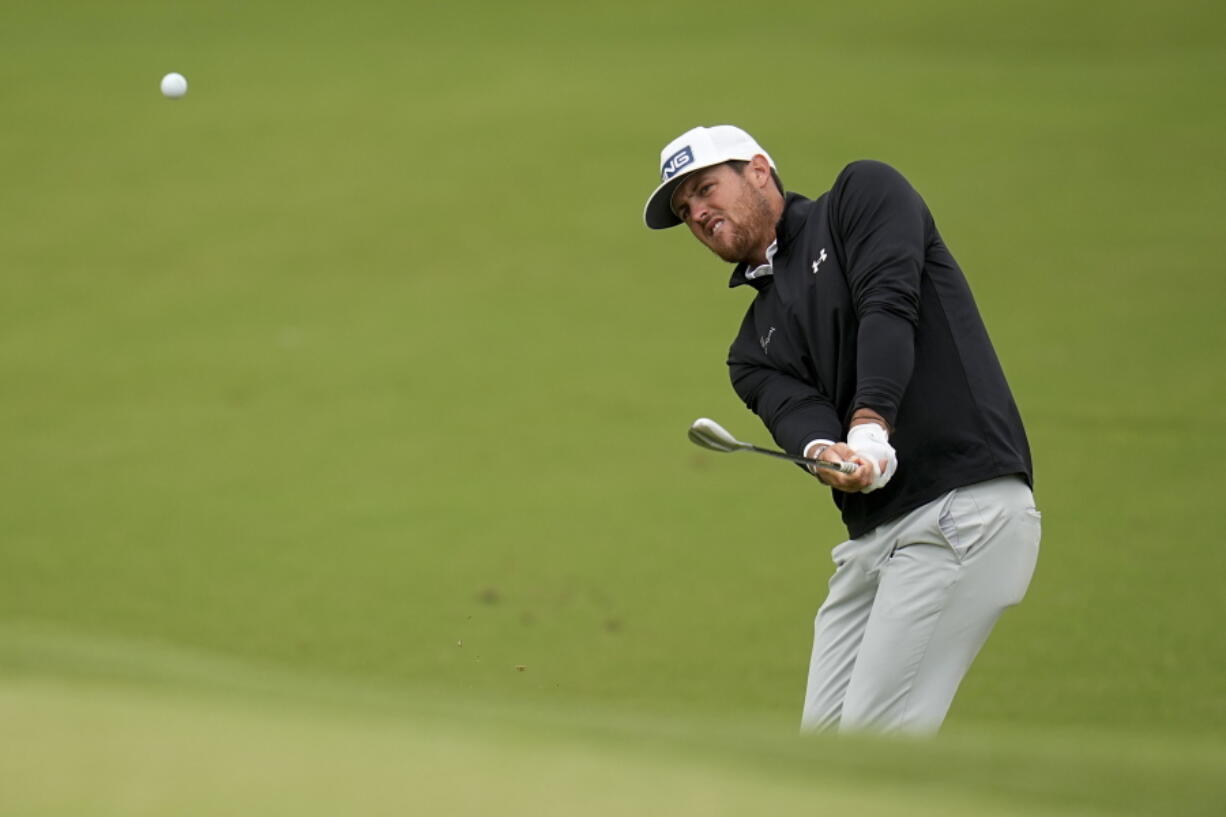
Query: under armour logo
x=820 y=259
x=766 y=341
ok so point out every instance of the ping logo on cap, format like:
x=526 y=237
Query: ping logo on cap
x=676 y=163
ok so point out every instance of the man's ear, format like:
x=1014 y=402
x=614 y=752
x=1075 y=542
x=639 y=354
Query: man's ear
x=761 y=170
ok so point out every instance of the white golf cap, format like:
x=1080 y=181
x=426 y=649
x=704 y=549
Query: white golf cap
x=694 y=150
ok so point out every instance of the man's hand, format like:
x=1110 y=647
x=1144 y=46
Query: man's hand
x=872 y=441
x=841 y=452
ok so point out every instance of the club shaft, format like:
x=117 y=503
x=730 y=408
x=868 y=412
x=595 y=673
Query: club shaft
x=832 y=466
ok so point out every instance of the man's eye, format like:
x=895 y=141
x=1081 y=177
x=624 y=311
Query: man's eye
x=705 y=189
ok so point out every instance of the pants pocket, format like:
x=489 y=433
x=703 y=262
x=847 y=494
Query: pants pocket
x=961 y=522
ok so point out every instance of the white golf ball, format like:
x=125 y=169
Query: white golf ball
x=174 y=86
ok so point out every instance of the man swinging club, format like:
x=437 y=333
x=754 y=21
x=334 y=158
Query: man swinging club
x=863 y=344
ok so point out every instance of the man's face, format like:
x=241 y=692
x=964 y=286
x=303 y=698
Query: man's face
x=727 y=212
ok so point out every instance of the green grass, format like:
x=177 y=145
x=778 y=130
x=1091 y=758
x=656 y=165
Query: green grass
x=131 y=728
x=356 y=362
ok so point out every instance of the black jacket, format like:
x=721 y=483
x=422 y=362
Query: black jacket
x=867 y=308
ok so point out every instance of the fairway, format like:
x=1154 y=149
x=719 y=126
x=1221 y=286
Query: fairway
x=344 y=404
x=134 y=729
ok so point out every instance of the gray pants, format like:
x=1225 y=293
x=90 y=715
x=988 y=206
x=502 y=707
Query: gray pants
x=912 y=602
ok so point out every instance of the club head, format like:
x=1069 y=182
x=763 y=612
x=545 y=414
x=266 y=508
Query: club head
x=710 y=434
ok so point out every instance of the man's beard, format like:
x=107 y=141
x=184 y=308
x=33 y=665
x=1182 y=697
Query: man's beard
x=747 y=238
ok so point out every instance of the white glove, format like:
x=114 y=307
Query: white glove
x=871 y=441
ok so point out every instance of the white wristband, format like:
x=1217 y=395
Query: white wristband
x=814 y=449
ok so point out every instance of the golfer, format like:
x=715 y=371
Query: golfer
x=863 y=344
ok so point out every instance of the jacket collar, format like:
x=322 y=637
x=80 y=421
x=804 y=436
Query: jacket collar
x=795 y=214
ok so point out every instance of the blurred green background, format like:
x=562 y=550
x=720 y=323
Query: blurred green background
x=358 y=364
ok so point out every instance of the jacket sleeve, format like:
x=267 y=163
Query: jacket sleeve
x=882 y=221
x=795 y=411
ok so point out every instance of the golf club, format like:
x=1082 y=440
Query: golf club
x=710 y=434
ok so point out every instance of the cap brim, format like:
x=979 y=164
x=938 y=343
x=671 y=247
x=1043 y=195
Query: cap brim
x=658 y=214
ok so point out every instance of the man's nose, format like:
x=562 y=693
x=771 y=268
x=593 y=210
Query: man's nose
x=699 y=212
